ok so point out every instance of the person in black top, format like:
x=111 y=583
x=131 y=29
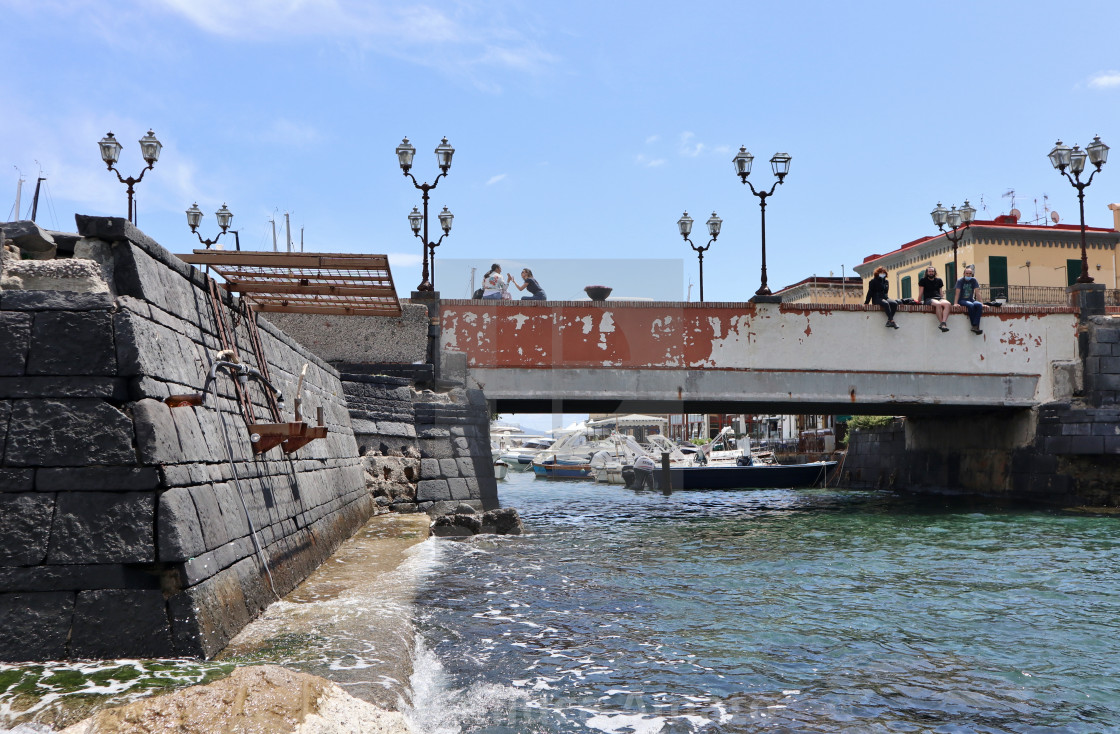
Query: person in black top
x=877 y=290
x=930 y=293
x=536 y=293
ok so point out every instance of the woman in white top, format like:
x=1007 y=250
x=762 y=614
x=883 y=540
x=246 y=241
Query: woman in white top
x=493 y=284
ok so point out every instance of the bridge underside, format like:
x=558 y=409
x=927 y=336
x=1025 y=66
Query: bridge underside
x=756 y=391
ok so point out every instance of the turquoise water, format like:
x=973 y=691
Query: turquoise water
x=637 y=613
x=776 y=610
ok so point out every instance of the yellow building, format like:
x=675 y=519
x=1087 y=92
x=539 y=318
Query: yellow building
x=1022 y=263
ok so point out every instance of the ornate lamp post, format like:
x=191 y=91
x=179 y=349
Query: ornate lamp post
x=954 y=218
x=194 y=218
x=405 y=153
x=417 y=220
x=111 y=152
x=780 y=164
x=684 y=224
x=1062 y=157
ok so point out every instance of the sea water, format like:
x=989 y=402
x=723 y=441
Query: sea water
x=778 y=610
x=732 y=611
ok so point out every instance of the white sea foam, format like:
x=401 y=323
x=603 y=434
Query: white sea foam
x=440 y=709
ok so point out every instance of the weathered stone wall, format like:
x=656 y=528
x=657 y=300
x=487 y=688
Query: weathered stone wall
x=423 y=450
x=361 y=339
x=125 y=530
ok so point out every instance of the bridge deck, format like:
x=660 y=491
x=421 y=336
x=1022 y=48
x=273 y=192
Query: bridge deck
x=574 y=356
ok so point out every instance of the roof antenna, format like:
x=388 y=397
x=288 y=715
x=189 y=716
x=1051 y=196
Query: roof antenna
x=1010 y=193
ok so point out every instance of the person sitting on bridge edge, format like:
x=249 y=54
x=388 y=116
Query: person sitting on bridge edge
x=644 y=473
x=930 y=289
x=536 y=293
x=877 y=290
x=967 y=287
x=493 y=286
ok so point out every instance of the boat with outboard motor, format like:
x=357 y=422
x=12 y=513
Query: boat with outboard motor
x=736 y=468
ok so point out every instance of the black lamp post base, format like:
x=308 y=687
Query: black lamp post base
x=768 y=298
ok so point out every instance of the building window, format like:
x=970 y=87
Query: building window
x=906 y=287
x=997 y=277
x=1073 y=271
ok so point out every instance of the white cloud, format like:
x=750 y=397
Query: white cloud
x=495 y=179
x=462 y=42
x=643 y=160
x=690 y=148
x=1105 y=80
x=652 y=139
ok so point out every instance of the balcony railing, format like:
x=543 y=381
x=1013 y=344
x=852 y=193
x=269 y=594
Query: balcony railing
x=1037 y=295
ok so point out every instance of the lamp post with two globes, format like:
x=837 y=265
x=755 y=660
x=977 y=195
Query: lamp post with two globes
x=111 y=153
x=780 y=164
x=418 y=220
x=684 y=224
x=1063 y=157
x=955 y=218
x=194 y=218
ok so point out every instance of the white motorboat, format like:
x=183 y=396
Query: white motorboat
x=501 y=468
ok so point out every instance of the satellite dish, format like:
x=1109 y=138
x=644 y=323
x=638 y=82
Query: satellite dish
x=1016 y=213
x=1054 y=217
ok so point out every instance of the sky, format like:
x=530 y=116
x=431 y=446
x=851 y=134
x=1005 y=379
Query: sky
x=582 y=130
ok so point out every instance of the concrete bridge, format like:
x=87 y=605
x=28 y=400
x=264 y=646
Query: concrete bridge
x=580 y=356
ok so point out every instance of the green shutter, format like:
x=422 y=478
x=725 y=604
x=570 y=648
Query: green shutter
x=951 y=282
x=906 y=287
x=997 y=277
x=1073 y=271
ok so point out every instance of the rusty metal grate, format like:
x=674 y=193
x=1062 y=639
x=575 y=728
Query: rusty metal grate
x=328 y=283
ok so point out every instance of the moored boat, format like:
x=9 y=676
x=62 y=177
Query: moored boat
x=501 y=468
x=558 y=468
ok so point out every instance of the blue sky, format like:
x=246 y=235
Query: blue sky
x=582 y=130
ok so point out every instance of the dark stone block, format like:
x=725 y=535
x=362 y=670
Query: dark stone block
x=77 y=578
x=35 y=626
x=178 y=530
x=79 y=432
x=1111 y=445
x=435 y=449
x=99 y=478
x=214 y=532
x=15 y=340
x=1104 y=429
x=428 y=490
x=449 y=467
x=459 y=490
x=25 y=525
x=54 y=301
x=156 y=436
x=15 y=480
x=1106 y=335
x=108 y=388
x=72 y=344
x=1077 y=429
x=112 y=623
x=5 y=419
x=103 y=527
x=1087 y=445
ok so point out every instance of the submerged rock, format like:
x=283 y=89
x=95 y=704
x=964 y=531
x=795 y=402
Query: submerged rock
x=263 y=699
x=505 y=521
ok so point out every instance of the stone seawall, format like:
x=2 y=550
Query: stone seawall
x=125 y=529
x=1064 y=453
x=423 y=450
